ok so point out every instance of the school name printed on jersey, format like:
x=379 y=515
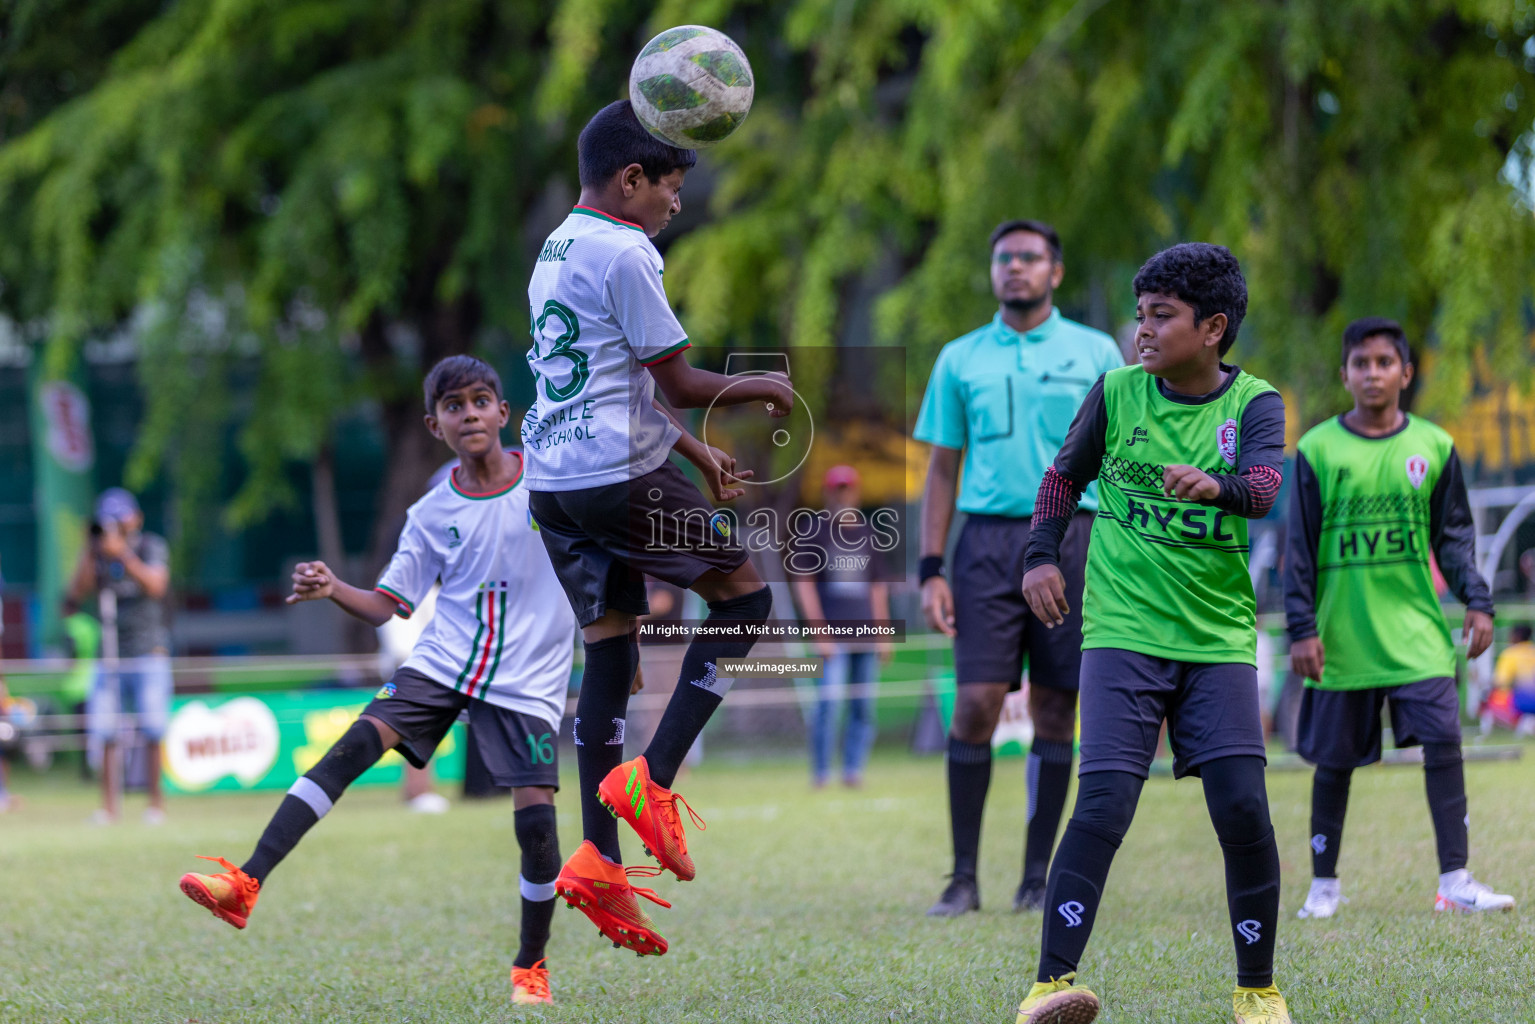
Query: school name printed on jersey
x=541 y=435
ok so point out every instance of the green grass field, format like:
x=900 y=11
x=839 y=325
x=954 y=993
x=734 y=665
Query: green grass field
x=808 y=907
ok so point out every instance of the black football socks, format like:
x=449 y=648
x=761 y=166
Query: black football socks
x=540 y=845
x=599 y=732
x=312 y=796
x=1048 y=774
x=1105 y=805
x=969 y=766
x=1237 y=799
x=1444 y=777
x=699 y=688
x=1329 y=805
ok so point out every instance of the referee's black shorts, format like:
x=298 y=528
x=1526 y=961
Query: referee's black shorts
x=994 y=628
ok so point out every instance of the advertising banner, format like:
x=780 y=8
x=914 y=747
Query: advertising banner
x=222 y=743
x=63 y=456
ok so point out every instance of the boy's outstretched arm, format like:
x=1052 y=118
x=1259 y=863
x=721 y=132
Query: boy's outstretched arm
x=1076 y=465
x=313 y=581
x=717 y=466
x=688 y=387
x=1307 y=656
x=1453 y=536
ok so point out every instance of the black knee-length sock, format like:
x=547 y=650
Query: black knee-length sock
x=1329 y=805
x=599 y=732
x=1237 y=798
x=311 y=797
x=969 y=767
x=1049 y=779
x=1444 y=778
x=540 y=845
x=699 y=689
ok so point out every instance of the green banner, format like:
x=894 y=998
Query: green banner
x=63 y=455
x=219 y=743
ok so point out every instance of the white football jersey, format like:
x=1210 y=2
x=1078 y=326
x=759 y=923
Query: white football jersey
x=503 y=631
x=599 y=318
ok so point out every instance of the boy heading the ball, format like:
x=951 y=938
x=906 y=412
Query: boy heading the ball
x=1376 y=491
x=499 y=647
x=1185 y=450
x=611 y=507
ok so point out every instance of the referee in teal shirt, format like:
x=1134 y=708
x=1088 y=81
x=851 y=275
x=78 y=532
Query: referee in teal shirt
x=1004 y=396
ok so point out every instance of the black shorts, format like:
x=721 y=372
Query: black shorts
x=1341 y=728
x=993 y=625
x=518 y=749
x=1211 y=711
x=603 y=540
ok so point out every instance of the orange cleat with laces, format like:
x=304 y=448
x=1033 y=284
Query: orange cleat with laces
x=600 y=889
x=630 y=794
x=231 y=894
x=531 y=984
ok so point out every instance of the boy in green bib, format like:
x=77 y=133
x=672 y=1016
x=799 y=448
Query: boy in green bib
x=1376 y=491
x=1185 y=450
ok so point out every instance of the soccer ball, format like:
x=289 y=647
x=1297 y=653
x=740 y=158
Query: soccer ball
x=691 y=86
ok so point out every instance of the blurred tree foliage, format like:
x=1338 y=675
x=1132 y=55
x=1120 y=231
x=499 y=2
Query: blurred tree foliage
x=340 y=189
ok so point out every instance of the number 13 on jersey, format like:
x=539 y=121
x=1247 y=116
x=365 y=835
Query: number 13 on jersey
x=556 y=316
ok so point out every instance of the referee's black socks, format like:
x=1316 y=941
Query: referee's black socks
x=699 y=689
x=311 y=797
x=969 y=771
x=1048 y=774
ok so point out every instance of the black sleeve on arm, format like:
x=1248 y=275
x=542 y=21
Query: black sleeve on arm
x=1251 y=492
x=1076 y=465
x=1453 y=536
x=1305 y=531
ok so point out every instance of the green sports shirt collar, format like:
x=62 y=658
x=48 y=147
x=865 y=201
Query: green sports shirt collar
x=588 y=211
x=472 y=496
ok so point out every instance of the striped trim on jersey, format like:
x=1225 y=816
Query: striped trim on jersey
x=472 y=496
x=485 y=653
x=406 y=609
x=587 y=211
x=664 y=356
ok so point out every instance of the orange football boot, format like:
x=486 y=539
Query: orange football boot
x=629 y=793
x=231 y=894
x=600 y=889
x=531 y=984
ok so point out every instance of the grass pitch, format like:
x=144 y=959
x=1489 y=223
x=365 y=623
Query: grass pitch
x=808 y=908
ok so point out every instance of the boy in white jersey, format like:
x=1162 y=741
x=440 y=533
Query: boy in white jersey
x=611 y=507
x=499 y=647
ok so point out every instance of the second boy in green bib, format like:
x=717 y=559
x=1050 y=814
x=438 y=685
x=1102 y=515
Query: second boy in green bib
x=1185 y=449
x=1376 y=491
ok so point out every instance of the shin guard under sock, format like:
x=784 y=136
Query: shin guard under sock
x=969 y=767
x=599 y=732
x=1077 y=875
x=1329 y=805
x=1252 y=899
x=1444 y=778
x=699 y=689
x=312 y=796
x=1049 y=779
x=540 y=845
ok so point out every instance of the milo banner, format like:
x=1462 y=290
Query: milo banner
x=63 y=456
x=221 y=743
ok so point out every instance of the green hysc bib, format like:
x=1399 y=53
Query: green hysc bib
x=1376 y=608
x=1169 y=578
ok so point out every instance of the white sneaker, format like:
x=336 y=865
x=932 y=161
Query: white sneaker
x=1459 y=892
x=1323 y=899
x=428 y=803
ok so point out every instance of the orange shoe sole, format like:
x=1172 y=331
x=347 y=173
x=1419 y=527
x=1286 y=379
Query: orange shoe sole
x=198 y=893
x=579 y=896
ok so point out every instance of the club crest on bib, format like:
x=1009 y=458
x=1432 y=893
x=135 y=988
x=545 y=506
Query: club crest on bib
x=1417 y=470
x=1226 y=440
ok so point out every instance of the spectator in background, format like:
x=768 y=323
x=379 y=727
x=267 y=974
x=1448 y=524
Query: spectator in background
x=1513 y=682
x=844 y=589
x=132 y=566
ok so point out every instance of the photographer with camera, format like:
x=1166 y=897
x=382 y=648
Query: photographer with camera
x=129 y=573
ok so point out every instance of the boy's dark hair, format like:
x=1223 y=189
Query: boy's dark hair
x=1366 y=327
x=614 y=138
x=1520 y=634
x=1037 y=227
x=454 y=373
x=1205 y=276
